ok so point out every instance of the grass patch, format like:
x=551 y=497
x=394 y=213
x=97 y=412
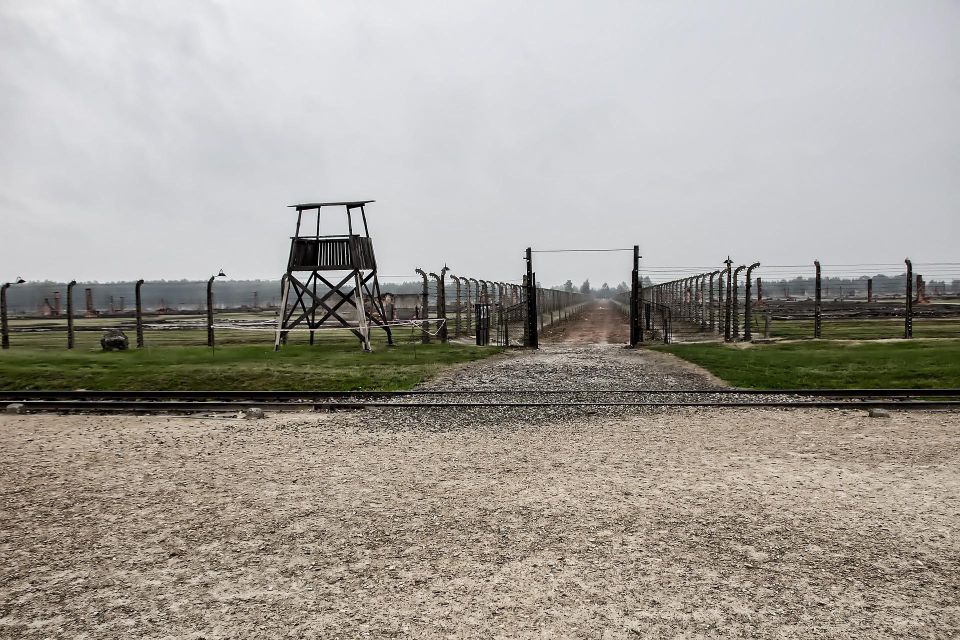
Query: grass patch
x=909 y=364
x=855 y=329
x=333 y=364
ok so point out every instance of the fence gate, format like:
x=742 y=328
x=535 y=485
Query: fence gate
x=512 y=325
x=659 y=321
x=483 y=323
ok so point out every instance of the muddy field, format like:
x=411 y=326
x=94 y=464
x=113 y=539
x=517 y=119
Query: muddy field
x=683 y=523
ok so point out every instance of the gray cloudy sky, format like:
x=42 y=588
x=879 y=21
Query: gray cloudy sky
x=163 y=139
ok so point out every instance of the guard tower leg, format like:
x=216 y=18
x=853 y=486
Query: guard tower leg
x=283 y=310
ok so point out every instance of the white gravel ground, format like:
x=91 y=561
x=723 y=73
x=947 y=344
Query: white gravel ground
x=759 y=523
x=482 y=523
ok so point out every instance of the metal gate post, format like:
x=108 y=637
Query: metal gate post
x=817 y=302
x=139 y=313
x=727 y=311
x=908 y=311
x=747 y=308
x=70 y=286
x=634 y=298
x=533 y=336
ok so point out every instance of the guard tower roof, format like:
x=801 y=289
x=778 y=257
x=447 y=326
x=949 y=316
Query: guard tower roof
x=316 y=205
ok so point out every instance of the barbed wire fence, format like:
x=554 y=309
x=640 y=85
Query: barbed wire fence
x=750 y=301
x=429 y=306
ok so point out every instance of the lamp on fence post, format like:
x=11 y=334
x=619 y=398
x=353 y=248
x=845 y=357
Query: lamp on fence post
x=817 y=301
x=908 y=311
x=747 y=334
x=4 y=329
x=70 y=286
x=210 y=341
x=139 y=311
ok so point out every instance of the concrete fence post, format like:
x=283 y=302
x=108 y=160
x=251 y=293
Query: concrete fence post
x=748 y=308
x=908 y=310
x=712 y=318
x=210 y=337
x=720 y=303
x=736 y=301
x=441 y=305
x=727 y=310
x=138 y=309
x=70 y=286
x=817 y=302
x=471 y=318
x=424 y=308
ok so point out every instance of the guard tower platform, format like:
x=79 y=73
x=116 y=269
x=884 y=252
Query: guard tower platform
x=342 y=267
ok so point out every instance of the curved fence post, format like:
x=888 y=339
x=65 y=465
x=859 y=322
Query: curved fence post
x=727 y=310
x=456 y=331
x=441 y=315
x=712 y=318
x=424 y=308
x=210 y=340
x=736 y=301
x=748 y=305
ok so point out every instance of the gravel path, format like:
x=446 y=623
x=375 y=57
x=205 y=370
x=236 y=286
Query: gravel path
x=683 y=523
x=488 y=522
x=587 y=371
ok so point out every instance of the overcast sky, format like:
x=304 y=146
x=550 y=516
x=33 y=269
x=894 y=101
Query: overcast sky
x=164 y=139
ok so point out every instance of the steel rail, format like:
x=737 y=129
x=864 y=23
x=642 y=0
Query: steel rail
x=129 y=406
x=48 y=394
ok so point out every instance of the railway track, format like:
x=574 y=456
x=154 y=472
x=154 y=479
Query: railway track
x=217 y=401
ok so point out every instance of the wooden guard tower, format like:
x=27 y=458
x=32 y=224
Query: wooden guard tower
x=348 y=258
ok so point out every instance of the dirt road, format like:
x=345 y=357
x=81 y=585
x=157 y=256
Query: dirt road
x=599 y=323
